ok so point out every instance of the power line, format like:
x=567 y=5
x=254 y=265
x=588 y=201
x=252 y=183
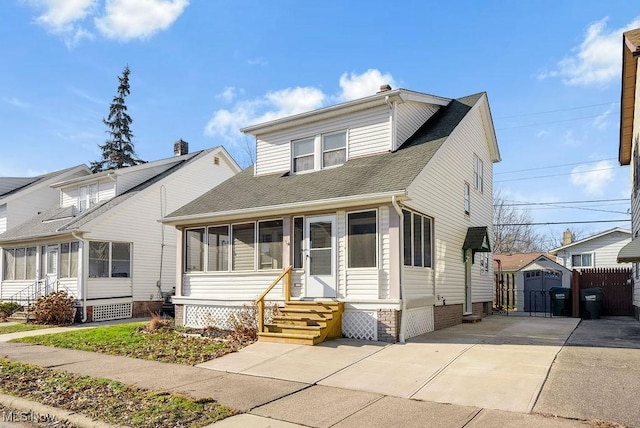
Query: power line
x=552 y=166
x=518 y=203
x=558 y=121
x=556 y=175
x=558 y=110
x=560 y=222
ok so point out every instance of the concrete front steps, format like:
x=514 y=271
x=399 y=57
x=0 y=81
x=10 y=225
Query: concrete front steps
x=305 y=322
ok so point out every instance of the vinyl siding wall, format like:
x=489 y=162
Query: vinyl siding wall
x=604 y=251
x=409 y=117
x=368 y=132
x=635 y=197
x=129 y=179
x=136 y=221
x=438 y=193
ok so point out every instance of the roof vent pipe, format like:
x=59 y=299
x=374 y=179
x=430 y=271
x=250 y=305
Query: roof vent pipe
x=384 y=88
x=180 y=147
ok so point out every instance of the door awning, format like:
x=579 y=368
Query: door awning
x=630 y=252
x=477 y=240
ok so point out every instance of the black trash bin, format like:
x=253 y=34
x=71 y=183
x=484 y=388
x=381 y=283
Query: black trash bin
x=591 y=300
x=560 y=301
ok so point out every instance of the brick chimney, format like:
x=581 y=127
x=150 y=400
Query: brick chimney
x=384 y=88
x=180 y=147
x=567 y=237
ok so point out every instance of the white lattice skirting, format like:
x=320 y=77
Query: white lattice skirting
x=419 y=321
x=114 y=311
x=205 y=316
x=360 y=325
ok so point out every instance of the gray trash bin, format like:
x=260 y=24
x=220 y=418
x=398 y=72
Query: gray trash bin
x=591 y=300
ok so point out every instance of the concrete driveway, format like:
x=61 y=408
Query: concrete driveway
x=500 y=363
x=597 y=373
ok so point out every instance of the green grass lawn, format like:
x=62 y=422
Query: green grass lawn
x=107 y=400
x=130 y=340
x=14 y=328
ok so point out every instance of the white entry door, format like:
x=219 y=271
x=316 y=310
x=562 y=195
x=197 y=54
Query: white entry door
x=51 y=268
x=320 y=266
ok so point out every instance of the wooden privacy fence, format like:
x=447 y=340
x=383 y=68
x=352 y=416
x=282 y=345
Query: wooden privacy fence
x=505 y=294
x=616 y=285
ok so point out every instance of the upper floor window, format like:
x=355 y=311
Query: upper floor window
x=303 y=155
x=318 y=152
x=334 y=149
x=582 y=260
x=467 y=199
x=88 y=196
x=478 y=174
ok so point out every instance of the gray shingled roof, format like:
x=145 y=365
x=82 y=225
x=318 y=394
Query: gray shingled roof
x=11 y=185
x=386 y=172
x=66 y=220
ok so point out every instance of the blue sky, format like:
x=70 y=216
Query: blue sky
x=202 y=69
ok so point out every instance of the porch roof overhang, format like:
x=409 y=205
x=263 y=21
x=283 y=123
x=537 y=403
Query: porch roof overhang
x=288 y=209
x=630 y=252
x=37 y=238
x=477 y=240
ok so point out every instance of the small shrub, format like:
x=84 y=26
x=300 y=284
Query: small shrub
x=8 y=308
x=244 y=323
x=54 y=308
x=156 y=323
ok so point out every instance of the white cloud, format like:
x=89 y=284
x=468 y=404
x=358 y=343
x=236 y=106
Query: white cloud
x=594 y=179
x=596 y=60
x=257 y=61
x=138 y=19
x=60 y=15
x=601 y=122
x=361 y=85
x=568 y=139
x=228 y=94
x=16 y=102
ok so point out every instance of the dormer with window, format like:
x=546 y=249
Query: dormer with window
x=329 y=137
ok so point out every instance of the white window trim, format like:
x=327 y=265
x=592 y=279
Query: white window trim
x=109 y=277
x=478 y=173
x=90 y=202
x=593 y=259
x=318 y=152
x=346 y=224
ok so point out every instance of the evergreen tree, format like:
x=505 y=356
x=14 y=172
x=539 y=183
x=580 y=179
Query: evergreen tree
x=118 y=151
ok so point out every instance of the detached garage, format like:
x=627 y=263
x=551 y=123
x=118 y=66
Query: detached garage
x=534 y=280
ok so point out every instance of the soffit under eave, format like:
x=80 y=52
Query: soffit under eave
x=627 y=104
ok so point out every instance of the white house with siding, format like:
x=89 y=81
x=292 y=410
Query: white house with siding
x=628 y=150
x=382 y=204
x=24 y=197
x=102 y=242
x=596 y=251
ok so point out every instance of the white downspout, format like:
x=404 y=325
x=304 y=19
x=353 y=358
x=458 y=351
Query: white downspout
x=83 y=283
x=394 y=202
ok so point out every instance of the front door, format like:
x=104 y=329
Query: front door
x=51 y=268
x=320 y=266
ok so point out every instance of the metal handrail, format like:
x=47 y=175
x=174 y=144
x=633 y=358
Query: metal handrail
x=286 y=274
x=39 y=288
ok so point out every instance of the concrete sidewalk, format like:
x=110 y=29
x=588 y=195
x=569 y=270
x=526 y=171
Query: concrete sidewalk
x=316 y=400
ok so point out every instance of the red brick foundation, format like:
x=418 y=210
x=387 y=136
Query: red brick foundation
x=389 y=325
x=179 y=314
x=481 y=308
x=447 y=316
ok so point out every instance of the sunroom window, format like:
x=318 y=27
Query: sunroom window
x=243 y=246
x=362 y=239
x=303 y=155
x=270 y=233
x=218 y=248
x=194 y=250
x=69 y=260
x=109 y=259
x=334 y=149
x=20 y=264
x=417 y=239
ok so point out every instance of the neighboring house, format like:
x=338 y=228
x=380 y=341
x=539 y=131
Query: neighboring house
x=533 y=275
x=628 y=149
x=103 y=242
x=23 y=197
x=380 y=203
x=596 y=251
